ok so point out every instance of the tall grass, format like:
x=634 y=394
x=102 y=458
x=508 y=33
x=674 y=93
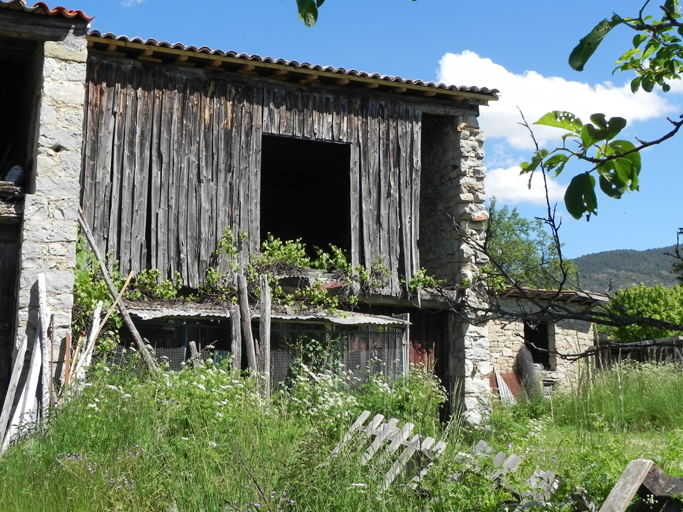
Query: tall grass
x=204 y=440
x=630 y=396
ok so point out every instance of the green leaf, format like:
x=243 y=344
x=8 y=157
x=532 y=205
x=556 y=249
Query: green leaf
x=614 y=126
x=610 y=189
x=639 y=39
x=619 y=147
x=580 y=196
x=556 y=163
x=535 y=161
x=673 y=7
x=635 y=84
x=588 y=44
x=648 y=83
x=308 y=11
x=561 y=119
x=613 y=178
x=587 y=136
x=599 y=121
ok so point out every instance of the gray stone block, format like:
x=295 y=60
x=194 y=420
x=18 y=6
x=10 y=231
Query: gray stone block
x=50 y=231
x=56 y=186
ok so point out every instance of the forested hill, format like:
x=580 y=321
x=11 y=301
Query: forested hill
x=625 y=268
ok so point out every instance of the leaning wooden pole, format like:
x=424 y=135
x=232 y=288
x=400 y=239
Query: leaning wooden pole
x=151 y=364
x=246 y=322
x=264 y=331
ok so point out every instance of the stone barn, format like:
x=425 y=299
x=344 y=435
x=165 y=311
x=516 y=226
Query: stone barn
x=165 y=146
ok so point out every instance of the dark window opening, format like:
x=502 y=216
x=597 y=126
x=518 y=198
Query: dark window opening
x=537 y=341
x=305 y=192
x=18 y=103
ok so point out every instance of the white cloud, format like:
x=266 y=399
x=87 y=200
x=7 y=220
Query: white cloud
x=508 y=187
x=131 y=3
x=536 y=95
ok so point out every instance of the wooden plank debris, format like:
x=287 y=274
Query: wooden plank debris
x=645 y=478
x=17 y=370
x=391 y=442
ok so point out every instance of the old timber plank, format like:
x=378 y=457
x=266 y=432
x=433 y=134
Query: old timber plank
x=143 y=128
x=157 y=159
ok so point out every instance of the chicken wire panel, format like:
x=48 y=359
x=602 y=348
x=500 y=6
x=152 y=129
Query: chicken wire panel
x=175 y=357
x=360 y=351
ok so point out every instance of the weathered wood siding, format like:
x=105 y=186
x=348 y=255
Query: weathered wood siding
x=172 y=157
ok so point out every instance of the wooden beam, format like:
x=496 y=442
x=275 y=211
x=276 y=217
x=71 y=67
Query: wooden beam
x=400 y=89
x=181 y=58
x=215 y=63
x=372 y=85
x=429 y=93
x=280 y=72
x=343 y=81
x=248 y=67
x=309 y=78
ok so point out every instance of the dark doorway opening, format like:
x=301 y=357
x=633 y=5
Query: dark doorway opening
x=305 y=192
x=18 y=103
x=537 y=341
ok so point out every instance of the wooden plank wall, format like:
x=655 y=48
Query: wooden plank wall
x=172 y=156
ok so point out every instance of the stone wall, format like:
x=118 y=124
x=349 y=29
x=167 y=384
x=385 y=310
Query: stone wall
x=567 y=336
x=452 y=204
x=451 y=190
x=48 y=238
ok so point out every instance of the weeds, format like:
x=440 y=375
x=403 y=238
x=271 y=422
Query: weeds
x=203 y=439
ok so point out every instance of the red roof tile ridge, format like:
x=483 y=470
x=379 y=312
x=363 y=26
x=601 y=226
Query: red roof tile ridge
x=44 y=9
x=292 y=63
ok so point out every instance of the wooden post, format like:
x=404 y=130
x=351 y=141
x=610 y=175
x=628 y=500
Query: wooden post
x=236 y=344
x=13 y=384
x=265 y=332
x=43 y=342
x=151 y=364
x=246 y=322
x=194 y=355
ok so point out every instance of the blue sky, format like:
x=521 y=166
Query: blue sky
x=518 y=47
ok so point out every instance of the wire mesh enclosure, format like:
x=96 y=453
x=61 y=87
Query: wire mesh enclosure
x=358 y=350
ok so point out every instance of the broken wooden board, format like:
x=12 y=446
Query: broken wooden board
x=395 y=446
x=644 y=478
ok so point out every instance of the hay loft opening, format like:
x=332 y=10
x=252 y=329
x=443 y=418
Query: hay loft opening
x=18 y=99
x=305 y=191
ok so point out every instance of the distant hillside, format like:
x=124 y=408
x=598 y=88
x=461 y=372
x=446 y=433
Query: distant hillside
x=625 y=268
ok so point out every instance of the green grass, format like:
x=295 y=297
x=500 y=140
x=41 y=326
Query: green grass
x=204 y=440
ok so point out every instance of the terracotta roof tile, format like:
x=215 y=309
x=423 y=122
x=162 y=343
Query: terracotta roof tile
x=42 y=8
x=493 y=93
